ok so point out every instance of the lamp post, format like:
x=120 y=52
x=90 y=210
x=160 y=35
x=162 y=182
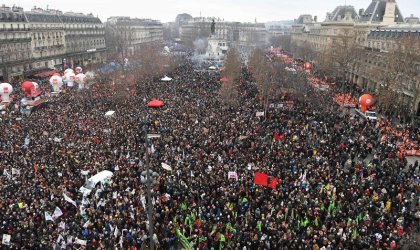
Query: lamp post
x=149 y=186
x=149 y=181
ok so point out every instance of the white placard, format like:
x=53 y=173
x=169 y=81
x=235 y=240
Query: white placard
x=6 y=239
x=258 y=114
x=232 y=175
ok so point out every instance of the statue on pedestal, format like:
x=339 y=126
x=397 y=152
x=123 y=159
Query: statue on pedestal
x=213 y=27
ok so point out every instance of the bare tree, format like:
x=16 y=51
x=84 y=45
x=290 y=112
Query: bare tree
x=339 y=57
x=400 y=81
x=263 y=71
x=281 y=41
x=117 y=41
x=229 y=89
x=149 y=62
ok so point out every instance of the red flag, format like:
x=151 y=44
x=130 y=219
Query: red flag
x=281 y=137
x=272 y=183
x=260 y=179
x=276 y=136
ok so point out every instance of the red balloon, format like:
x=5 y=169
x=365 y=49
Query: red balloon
x=307 y=66
x=27 y=87
x=365 y=101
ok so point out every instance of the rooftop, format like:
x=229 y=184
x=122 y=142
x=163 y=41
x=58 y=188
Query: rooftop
x=344 y=13
x=376 y=11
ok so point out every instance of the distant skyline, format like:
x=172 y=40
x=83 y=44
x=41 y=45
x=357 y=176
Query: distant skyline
x=229 y=10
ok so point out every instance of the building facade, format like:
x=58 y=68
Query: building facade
x=244 y=36
x=15 y=43
x=84 y=38
x=126 y=35
x=47 y=39
x=39 y=40
x=373 y=32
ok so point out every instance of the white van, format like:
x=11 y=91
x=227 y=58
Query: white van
x=92 y=181
x=368 y=115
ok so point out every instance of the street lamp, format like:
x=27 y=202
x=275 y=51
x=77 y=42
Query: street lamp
x=149 y=180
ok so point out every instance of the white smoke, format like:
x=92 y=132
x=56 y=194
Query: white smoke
x=200 y=46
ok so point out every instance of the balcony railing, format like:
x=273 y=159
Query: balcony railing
x=15 y=40
x=16 y=30
x=49 y=47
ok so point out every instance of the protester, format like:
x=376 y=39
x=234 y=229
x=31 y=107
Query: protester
x=339 y=186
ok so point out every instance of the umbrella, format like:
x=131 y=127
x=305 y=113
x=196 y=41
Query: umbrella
x=212 y=67
x=155 y=104
x=166 y=167
x=109 y=113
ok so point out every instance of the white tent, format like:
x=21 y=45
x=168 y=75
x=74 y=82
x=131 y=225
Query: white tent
x=109 y=113
x=166 y=79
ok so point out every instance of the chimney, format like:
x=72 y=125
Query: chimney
x=389 y=15
x=329 y=16
x=361 y=11
x=347 y=15
x=315 y=19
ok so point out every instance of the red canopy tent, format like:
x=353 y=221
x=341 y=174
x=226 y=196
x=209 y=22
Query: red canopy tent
x=155 y=103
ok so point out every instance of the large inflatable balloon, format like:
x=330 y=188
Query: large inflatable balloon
x=80 y=80
x=56 y=82
x=68 y=70
x=28 y=88
x=365 y=102
x=78 y=70
x=5 y=90
x=35 y=90
x=35 y=85
x=69 y=79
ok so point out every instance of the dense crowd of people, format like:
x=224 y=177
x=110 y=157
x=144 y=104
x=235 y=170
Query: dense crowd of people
x=340 y=186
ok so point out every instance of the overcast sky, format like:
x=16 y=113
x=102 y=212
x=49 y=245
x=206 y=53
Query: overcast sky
x=229 y=10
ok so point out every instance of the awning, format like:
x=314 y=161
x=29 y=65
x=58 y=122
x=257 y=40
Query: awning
x=46 y=73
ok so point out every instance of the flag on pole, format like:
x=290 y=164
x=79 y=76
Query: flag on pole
x=68 y=199
x=86 y=224
x=116 y=231
x=59 y=239
x=183 y=240
x=15 y=172
x=48 y=216
x=272 y=182
x=260 y=179
x=57 y=212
